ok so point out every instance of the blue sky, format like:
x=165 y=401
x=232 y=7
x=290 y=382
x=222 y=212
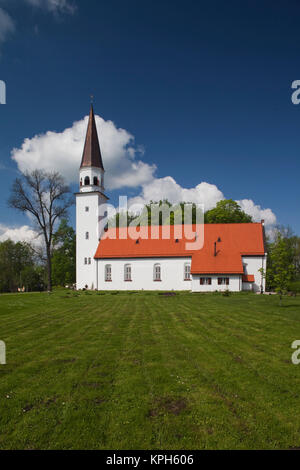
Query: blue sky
x=204 y=87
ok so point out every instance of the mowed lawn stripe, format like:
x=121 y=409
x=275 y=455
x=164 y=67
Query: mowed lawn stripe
x=142 y=370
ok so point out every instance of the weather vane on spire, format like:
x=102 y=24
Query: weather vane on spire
x=92 y=99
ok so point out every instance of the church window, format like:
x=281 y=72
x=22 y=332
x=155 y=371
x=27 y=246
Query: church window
x=205 y=281
x=96 y=181
x=89 y=260
x=157 y=272
x=127 y=272
x=85 y=260
x=187 y=272
x=108 y=276
x=86 y=181
x=87 y=209
x=223 y=281
x=87 y=235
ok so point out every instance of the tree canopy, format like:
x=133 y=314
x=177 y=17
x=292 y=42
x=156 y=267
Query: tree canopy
x=64 y=255
x=18 y=268
x=164 y=213
x=227 y=211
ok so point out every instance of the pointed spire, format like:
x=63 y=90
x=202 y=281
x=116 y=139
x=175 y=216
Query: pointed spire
x=92 y=153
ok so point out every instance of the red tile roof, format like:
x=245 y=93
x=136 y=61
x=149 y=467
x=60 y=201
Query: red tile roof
x=236 y=240
x=248 y=278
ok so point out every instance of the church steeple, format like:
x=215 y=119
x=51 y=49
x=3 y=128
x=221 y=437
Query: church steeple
x=92 y=154
x=91 y=173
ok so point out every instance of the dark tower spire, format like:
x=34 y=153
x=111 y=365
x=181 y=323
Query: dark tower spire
x=92 y=154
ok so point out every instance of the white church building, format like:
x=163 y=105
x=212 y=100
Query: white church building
x=232 y=256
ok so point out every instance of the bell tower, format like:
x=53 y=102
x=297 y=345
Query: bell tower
x=88 y=203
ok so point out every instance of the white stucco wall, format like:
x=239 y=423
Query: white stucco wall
x=234 y=283
x=252 y=265
x=172 y=274
x=248 y=286
x=87 y=222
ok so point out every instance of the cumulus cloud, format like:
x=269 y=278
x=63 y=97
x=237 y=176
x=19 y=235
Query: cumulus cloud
x=205 y=193
x=7 y=25
x=54 y=6
x=124 y=167
x=62 y=152
x=167 y=188
x=19 y=234
x=257 y=212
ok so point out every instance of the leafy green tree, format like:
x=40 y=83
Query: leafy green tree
x=14 y=258
x=280 y=271
x=153 y=214
x=227 y=211
x=64 y=255
x=33 y=278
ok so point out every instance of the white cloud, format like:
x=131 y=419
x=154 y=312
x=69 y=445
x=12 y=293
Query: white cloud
x=19 y=234
x=124 y=168
x=257 y=212
x=62 y=152
x=205 y=193
x=7 y=25
x=167 y=188
x=54 y=6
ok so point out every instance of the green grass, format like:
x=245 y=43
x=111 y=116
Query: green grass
x=144 y=371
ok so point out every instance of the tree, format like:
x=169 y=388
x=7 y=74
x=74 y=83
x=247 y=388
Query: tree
x=14 y=258
x=227 y=211
x=64 y=255
x=280 y=269
x=47 y=198
x=162 y=212
x=32 y=278
x=292 y=244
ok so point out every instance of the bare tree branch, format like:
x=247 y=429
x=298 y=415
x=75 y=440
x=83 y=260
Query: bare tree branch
x=46 y=196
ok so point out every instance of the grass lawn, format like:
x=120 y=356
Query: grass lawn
x=145 y=371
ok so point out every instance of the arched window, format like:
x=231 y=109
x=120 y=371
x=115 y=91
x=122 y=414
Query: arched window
x=187 y=272
x=108 y=277
x=87 y=235
x=96 y=181
x=157 y=272
x=80 y=181
x=86 y=181
x=127 y=272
